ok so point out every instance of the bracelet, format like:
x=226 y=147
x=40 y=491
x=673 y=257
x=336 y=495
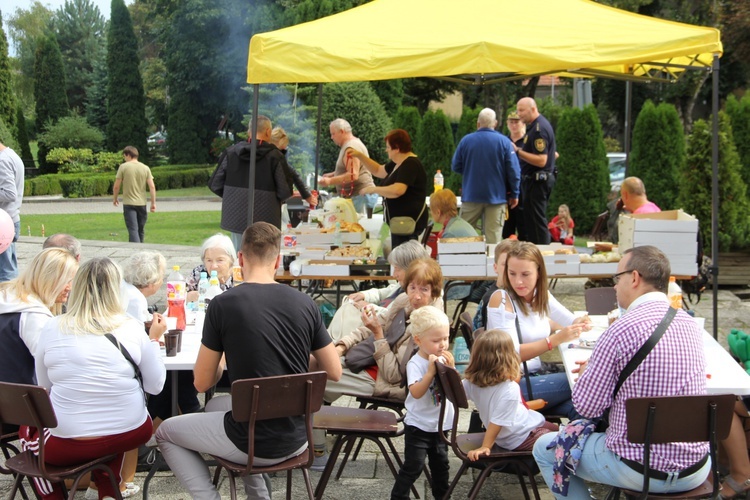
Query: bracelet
x=549 y=343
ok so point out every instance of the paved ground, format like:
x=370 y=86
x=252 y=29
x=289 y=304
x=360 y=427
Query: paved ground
x=368 y=477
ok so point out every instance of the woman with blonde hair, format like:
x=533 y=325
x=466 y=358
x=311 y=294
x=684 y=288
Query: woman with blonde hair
x=561 y=226
x=26 y=304
x=444 y=210
x=96 y=362
x=281 y=141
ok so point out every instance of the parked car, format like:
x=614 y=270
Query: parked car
x=616 y=169
x=157 y=139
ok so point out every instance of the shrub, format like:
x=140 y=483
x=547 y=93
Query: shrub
x=71 y=159
x=612 y=145
x=72 y=132
x=437 y=149
x=658 y=153
x=218 y=145
x=739 y=114
x=107 y=162
x=696 y=181
x=468 y=122
x=583 y=178
x=408 y=118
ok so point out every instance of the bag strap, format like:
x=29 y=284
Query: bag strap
x=527 y=375
x=645 y=349
x=411 y=350
x=127 y=356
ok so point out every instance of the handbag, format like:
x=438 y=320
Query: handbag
x=404 y=225
x=603 y=421
x=127 y=356
x=362 y=354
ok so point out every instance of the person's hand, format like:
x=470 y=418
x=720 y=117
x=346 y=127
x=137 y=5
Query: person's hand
x=431 y=368
x=353 y=153
x=513 y=203
x=569 y=333
x=115 y=202
x=356 y=297
x=369 y=317
x=312 y=200
x=158 y=327
x=584 y=321
x=581 y=366
x=153 y=207
x=324 y=181
x=448 y=357
x=475 y=454
x=620 y=204
x=341 y=349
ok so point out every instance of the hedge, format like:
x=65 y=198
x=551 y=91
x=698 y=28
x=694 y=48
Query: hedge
x=84 y=185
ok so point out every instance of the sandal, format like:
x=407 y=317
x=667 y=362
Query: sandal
x=740 y=490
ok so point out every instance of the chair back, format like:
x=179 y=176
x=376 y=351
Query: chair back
x=599 y=231
x=426 y=234
x=467 y=328
x=451 y=389
x=281 y=396
x=22 y=404
x=600 y=300
x=680 y=419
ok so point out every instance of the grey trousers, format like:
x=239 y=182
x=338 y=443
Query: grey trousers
x=182 y=439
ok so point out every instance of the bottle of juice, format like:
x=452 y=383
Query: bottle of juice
x=438 y=181
x=176 y=294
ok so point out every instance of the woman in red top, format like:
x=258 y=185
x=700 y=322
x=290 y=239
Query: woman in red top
x=561 y=226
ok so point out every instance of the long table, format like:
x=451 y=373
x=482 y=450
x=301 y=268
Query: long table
x=724 y=374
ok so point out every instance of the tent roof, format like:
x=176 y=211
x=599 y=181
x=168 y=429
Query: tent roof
x=479 y=41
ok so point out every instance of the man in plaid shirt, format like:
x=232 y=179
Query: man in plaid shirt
x=675 y=367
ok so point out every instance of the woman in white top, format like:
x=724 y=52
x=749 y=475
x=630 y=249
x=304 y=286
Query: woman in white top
x=94 y=391
x=543 y=322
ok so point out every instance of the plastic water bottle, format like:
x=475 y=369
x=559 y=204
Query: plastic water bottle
x=460 y=354
x=176 y=294
x=202 y=289
x=674 y=293
x=337 y=238
x=438 y=181
x=214 y=288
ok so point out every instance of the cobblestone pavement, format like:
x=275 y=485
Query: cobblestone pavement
x=368 y=477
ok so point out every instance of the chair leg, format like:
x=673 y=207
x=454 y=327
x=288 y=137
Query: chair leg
x=288 y=485
x=308 y=484
x=356 y=451
x=232 y=485
x=474 y=491
x=217 y=475
x=453 y=484
x=614 y=493
x=323 y=481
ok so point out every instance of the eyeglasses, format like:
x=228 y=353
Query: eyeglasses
x=616 y=277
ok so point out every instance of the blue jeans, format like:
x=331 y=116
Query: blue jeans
x=135 y=220
x=8 y=259
x=600 y=465
x=419 y=445
x=555 y=390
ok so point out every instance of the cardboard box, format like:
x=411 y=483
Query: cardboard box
x=597 y=268
x=350 y=258
x=449 y=245
x=663 y=224
x=559 y=258
x=563 y=269
x=307 y=238
x=462 y=259
x=325 y=268
x=468 y=271
x=491 y=266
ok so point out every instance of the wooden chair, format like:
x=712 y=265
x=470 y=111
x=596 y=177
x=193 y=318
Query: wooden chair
x=426 y=234
x=29 y=405
x=521 y=462
x=600 y=300
x=348 y=425
x=9 y=449
x=466 y=324
x=679 y=419
x=257 y=399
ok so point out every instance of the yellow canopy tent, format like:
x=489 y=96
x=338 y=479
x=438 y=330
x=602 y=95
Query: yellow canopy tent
x=478 y=41
x=486 y=41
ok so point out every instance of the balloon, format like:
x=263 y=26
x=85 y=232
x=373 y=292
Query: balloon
x=7 y=230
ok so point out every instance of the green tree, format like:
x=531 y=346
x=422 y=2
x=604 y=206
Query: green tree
x=72 y=132
x=658 y=153
x=358 y=104
x=49 y=90
x=126 y=109
x=408 y=118
x=437 y=146
x=583 y=180
x=25 y=28
x=391 y=93
x=420 y=92
x=696 y=181
x=468 y=122
x=23 y=138
x=80 y=28
x=6 y=136
x=739 y=115
x=96 y=94
x=7 y=98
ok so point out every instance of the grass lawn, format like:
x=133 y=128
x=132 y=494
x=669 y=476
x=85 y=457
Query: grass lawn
x=169 y=228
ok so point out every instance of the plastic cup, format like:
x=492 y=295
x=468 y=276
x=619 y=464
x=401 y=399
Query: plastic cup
x=236 y=274
x=179 y=338
x=171 y=343
x=171 y=322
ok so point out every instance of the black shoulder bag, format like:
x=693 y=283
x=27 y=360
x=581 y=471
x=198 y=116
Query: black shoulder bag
x=127 y=356
x=635 y=361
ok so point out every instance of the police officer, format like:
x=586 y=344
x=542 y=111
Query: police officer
x=537 y=159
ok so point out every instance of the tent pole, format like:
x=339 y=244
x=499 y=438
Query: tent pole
x=317 y=135
x=715 y=192
x=628 y=111
x=253 y=151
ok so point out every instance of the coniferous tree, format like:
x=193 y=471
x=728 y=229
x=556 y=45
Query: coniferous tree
x=96 y=95
x=437 y=147
x=126 y=109
x=468 y=122
x=658 y=152
x=22 y=137
x=6 y=136
x=583 y=177
x=739 y=115
x=49 y=92
x=696 y=181
x=407 y=118
x=7 y=98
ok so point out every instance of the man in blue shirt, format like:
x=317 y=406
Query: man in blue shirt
x=489 y=166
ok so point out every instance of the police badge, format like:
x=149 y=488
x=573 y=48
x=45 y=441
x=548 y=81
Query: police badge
x=540 y=145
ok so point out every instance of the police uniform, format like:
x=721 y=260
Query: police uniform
x=537 y=183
